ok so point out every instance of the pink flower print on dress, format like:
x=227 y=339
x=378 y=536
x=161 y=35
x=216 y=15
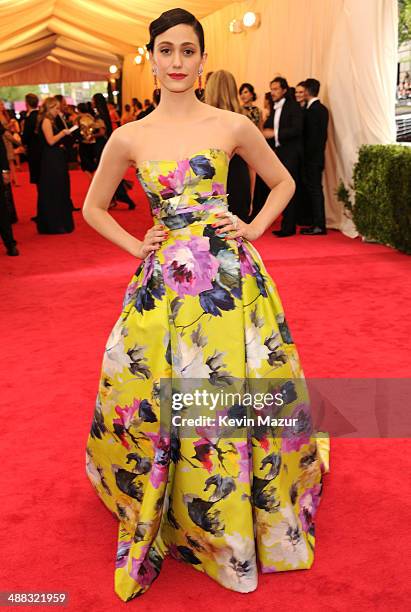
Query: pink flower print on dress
x=174 y=181
x=189 y=266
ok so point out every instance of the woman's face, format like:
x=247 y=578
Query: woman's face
x=177 y=58
x=246 y=96
x=300 y=94
x=54 y=110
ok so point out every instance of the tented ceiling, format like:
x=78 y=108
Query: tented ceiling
x=77 y=38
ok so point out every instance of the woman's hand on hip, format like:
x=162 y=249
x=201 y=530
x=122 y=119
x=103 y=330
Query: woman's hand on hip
x=152 y=240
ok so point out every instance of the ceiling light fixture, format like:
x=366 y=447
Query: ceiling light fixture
x=251 y=19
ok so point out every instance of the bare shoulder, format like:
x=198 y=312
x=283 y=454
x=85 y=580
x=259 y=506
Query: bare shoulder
x=134 y=131
x=124 y=138
x=227 y=118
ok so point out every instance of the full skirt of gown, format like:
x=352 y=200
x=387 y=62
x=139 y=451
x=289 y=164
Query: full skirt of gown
x=201 y=307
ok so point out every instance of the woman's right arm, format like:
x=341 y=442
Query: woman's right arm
x=113 y=164
x=51 y=138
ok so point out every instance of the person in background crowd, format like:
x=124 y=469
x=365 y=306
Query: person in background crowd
x=30 y=137
x=15 y=131
x=260 y=191
x=149 y=106
x=9 y=142
x=207 y=77
x=127 y=115
x=136 y=107
x=291 y=94
x=7 y=138
x=102 y=124
x=31 y=141
x=315 y=138
x=253 y=112
x=103 y=132
x=87 y=144
x=54 y=203
x=300 y=94
x=72 y=114
x=114 y=116
x=62 y=123
x=221 y=92
x=268 y=106
x=303 y=211
x=6 y=230
x=284 y=131
x=248 y=96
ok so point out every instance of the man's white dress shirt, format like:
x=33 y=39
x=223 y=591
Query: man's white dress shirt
x=278 y=107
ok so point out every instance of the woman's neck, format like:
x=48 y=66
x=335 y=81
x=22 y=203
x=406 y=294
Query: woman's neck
x=179 y=107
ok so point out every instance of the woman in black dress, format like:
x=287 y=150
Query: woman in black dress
x=248 y=96
x=261 y=190
x=54 y=204
x=104 y=130
x=221 y=92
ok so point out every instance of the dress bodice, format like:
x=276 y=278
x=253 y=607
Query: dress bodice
x=187 y=191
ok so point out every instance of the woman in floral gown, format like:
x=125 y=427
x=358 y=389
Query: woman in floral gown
x=199 y=307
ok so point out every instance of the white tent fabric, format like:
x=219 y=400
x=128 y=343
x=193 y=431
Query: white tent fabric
x=81 y=35
x=361 y=83
x=349 y=45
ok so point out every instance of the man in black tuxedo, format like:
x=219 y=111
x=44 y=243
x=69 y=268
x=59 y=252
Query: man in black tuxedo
x=6 y=230
x=315 y=137
x=61 y=124
x=285 y=137
x=30 y=139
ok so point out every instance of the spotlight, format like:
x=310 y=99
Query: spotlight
x=113 y=69
x=251 y=19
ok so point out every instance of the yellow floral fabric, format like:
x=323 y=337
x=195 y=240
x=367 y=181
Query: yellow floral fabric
x=201 y=307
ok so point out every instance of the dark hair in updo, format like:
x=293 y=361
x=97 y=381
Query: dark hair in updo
x=171 y=18
x=250 y=89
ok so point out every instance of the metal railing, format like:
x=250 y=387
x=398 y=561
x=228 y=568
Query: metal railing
x=403 y=127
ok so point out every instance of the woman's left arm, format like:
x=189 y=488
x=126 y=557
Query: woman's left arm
x=253 y=148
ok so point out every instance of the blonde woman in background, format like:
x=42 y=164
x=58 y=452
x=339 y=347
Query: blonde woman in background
x=221 y=92
x=54 y=214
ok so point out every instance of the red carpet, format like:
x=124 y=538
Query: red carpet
x=347 y=304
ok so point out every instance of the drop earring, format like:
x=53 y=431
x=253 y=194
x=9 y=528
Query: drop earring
x=200 y=82
x=155 y=82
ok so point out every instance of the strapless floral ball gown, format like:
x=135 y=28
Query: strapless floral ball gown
x=201 y=307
